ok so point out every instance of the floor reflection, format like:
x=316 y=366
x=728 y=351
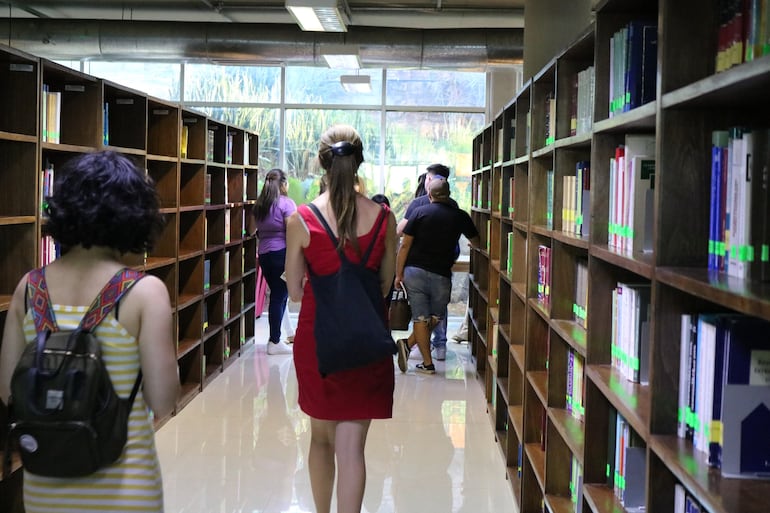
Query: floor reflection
x=241 y=445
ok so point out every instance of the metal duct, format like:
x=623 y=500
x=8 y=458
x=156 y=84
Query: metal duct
x=474 y=49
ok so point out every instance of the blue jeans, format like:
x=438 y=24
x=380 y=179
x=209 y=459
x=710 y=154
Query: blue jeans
x=429 y=295
x=272 y=265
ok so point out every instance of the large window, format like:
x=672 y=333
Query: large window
x=436 y=88
x=158 y=79
x=321 y=86
x=232 y=84
x=263 y=121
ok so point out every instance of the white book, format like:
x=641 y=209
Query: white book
x=744 y=205
x=643 y=173
x=611 y=217
x=684 y=376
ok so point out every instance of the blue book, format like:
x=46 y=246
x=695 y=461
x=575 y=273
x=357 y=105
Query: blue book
x=649 y=62
x=719 y=140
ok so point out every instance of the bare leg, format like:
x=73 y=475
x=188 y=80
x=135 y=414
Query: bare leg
x=321 y=463
x=350 y=441
x=421 y=331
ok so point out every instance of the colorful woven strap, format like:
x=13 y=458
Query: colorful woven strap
x=42 y=310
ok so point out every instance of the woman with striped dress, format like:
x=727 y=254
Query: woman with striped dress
x=102 y=208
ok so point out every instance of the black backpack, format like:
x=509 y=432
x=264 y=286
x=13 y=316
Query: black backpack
x=66 y=417
x=350 y=325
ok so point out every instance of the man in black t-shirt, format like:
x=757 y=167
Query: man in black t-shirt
x=424 y=266
x=433 y=172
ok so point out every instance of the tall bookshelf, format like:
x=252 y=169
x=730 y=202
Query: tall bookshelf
x=525 y=346
x=206 y=175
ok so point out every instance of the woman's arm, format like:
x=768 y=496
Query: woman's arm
x=157 y=350
x=297 y=238
x=13 y=339
x=388 y=264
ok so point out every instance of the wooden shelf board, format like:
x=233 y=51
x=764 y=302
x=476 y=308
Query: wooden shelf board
x=161 y=158
x=191 y=208
x=16 y=220
x=505 y=331
x=186 y=254
x=517 y=351
x=521 y=226
x=513 y=476
x=213 y=248
x=520 y=289
x=5 y=302
x=631 y=400
x=748 y=297
x=541 y=230
x=559 y=504
x=185 y=300
x=14 y=137
x=185 y=160
x=536 y=456
x=158 y=262
x=492 y=364
x=494 y=313
x=506 y=276
x=639 y=263
x=523 y=159
x=502 y=384
x=231 y=319
x=212 y=289
x=602 y=499
x=215 y=206
x=186 y=345
x=570 y=239
x=573 y=333
x=212 y=371
x=545 y=151
x=516 y=414
x=186 y=394
x=574 y=141
x=66 y=148
x=495 y=263
x=640 y=118
x=539 y=382
x=125 y=150
x=540 y=308
x=211 y=330
x=716 y=493
x=739 y=86
x=571 y=430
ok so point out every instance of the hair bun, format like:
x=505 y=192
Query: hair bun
x=342 y=149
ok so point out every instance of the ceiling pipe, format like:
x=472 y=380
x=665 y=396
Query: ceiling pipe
x=261 y=43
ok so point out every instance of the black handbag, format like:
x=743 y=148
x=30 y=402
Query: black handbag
x=400 y=311
x=350 y=326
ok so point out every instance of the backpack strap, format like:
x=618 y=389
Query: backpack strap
x=39 y=302
x=335 y=241
x=109 y=296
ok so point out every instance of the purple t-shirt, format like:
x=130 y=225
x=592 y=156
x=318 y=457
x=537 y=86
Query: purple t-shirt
x=272 y=229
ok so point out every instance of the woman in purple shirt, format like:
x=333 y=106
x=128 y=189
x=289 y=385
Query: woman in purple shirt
x=271 y=211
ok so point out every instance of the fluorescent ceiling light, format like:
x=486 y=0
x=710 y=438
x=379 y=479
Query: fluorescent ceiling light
x=356 y=83
x=341 y=56
x=319 y=15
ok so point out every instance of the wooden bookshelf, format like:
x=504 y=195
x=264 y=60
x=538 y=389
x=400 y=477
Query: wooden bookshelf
x=525 y=374
x=172 y=144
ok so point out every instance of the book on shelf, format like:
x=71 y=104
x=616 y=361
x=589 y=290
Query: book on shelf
x=106 y=124
x=583 y=95
x=227 y=267
x=633 y=66
x=550 y=119
x=51 y=115
x=580 y=306
x=724 y=395
x=207 y=274
x=573 y=104
x=544 y=275
x=226 y=303
x=512 y=198
x=227 y=225
x=499 y=145
x=210 y=142
x=184 y=139
x=743 y=32
x=229 y=148
x=207 y=189
x=575 y=396
x=630 y=336
x=509 y=253
x=549 y=192
x=626 y=463
x=226 y=342
x=576 y=485
x=512 y=150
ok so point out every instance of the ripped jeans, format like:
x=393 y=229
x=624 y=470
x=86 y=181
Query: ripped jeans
x=428 y=293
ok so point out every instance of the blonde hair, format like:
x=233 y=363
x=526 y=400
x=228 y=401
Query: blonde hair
x=340 y=153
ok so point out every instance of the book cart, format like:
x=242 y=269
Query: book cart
x=560 y=391
x=206 y=175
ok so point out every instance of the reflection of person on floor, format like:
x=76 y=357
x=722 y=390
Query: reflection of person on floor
x=342 y=404
x=275 y=447
x=424 y=267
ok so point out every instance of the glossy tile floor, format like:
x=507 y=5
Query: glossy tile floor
x=241 y=445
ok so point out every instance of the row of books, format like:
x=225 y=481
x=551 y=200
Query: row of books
x=575 y=394
x=549 y=192
x=581 y=118
x=685 y=502
x=51 y=111
x=482 y=195
x=626 y=463
x=544 y=275
x=211 y=141
x=739 y=213
x=744 y=32
x=550 y=119
x=724 y=391
x=631 y=201
x=630 y=337
x=49 y=250
x=500 y=143
x=633 y=66
x=576 y=200
x=509 y=238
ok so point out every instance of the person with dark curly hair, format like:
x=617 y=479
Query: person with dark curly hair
x=102 y=208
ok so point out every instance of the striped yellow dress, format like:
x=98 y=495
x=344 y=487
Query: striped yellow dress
x=132 y=483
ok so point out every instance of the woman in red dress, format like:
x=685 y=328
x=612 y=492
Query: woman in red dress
x=342 y=404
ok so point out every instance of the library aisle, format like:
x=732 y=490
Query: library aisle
x=241 y=445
